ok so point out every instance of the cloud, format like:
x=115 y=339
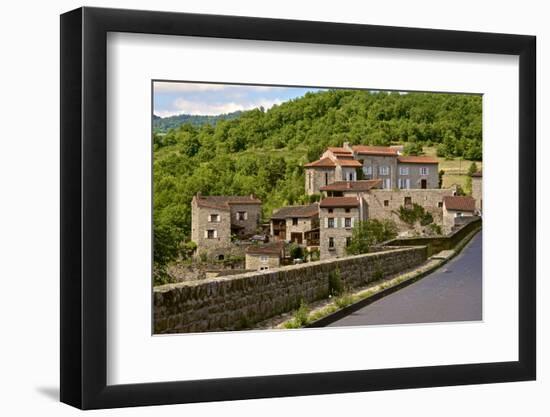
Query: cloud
x=211 y=109
x=185 y=87
x=177 y=87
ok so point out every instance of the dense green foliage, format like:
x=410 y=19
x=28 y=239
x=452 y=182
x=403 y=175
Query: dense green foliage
x=413 y=214
x=370 y=232
x=263 y=152
x=164 y=124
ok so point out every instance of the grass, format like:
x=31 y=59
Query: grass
x=456 y=170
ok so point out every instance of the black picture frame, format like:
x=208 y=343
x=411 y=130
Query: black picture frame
x=84 y=207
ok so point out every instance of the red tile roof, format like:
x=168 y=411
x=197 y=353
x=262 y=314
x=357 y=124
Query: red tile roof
x=223 y=202
x=321 y=163
x=297 y=211
x=462 y=203
x=339 y=202
x=344 y=162
x=336 y=150
x=375 y=150
x=417 y=160
x=266 y=249
x=362 y=185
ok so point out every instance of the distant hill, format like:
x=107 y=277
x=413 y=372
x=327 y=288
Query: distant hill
x=164 y=124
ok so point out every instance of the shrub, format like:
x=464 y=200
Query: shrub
x=370 y=232
x=335 y=284
x=296 y=251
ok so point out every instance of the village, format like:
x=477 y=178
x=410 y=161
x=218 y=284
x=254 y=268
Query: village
x=347 y=185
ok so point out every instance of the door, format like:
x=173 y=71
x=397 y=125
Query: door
x=296 y=238
x=423 y=184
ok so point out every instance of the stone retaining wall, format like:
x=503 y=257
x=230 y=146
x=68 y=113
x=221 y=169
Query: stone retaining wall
x=239 y=301
x=438 y=243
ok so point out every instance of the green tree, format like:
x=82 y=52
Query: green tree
x=370 y=232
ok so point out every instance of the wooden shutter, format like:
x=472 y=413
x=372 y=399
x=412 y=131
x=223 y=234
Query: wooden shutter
x=326 y=222
x=246 y=215
x=206 y=234
x=215 y=234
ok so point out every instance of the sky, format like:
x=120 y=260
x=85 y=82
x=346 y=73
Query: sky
x=172 y=98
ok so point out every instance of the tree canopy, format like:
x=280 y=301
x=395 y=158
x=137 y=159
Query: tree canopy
x=263 y=152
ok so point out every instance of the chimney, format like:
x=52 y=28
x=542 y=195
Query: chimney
x=346 y=146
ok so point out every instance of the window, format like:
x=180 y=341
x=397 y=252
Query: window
x=404 y=183
x=263 y=258
x=403 y=170
x=295 y=221
x=350 y=176
x=459 y=214
x=264 y=268
x=330 y=210
x=440 y=204
x=347 y=222
x=386 y=203
x=348 y=241
x=331 y=222
x=407 y=201
x=326 y=178
x=367 y=170
x=242 y=215
x=214 y=218
x=424 y=171
x=220 y=257
x=309 y=178
x=211 y=234
x=383 y=170
x=347 y=210
x=331 y=243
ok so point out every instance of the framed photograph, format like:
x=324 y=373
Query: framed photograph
x=257 y=208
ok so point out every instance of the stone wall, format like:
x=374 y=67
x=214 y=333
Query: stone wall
x=315 y=179
x=201 y=223
x=252 y=214
x=240 y=301
x=384 y=204
x=439 y=243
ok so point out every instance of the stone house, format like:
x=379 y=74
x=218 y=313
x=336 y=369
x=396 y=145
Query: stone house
x=264 y=257
x=377 y=203
x=477 y=190
x=336 y=164
x=337 y=216
x=298 y=224
x=456 y=207
x=417 y=172
x=375 y=162
x=214 y=219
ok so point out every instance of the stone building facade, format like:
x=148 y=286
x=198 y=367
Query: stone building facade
x=295 y=224
x=477 y=190
x=264 y=257
x=456 y=207
x=214 y=219
x=375 y=162
x=337 y=217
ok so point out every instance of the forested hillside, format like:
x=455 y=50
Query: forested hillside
x=263 y=152
x=164 y=124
